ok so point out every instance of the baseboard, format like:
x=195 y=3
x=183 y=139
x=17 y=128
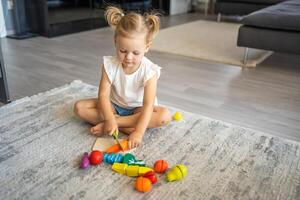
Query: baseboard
x=6 y=33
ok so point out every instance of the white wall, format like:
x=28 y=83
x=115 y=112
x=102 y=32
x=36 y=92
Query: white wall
x=2 y=22
x=179 y=6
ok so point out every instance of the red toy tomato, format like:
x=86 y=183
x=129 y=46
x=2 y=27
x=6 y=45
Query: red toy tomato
x=161 y=166
x=151 y=176
x=96 y=157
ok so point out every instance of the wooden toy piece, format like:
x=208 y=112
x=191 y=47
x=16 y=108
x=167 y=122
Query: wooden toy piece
x=102 y=143
x=115 y=136
x=132 y=171
x=177 y=116
x=96 y=157
x=111 y=158
x=85 y=162
x=119 y=168
x=129 y=159
x=151 y=176
x=143 y=170
x=116 y=147
x=161 y=166
x=177 y=173
x=143 y=184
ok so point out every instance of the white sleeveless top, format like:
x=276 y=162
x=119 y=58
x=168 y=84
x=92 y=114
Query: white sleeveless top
x=128 y=89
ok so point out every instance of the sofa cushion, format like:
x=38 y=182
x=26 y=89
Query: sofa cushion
x=283 y=16
x=269 y=39
x=265 y=2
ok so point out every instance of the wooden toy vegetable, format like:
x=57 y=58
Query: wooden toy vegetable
x=160 y=166
x=143 y=184
x=111 y=158
x=85 y=162
x=129 y=159
x=132 y=171
x=151 y=176
x=96 y=157
x=115 y=136
x=116 y=147
x=177 y=173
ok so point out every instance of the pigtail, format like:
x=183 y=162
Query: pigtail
x=153 y=24
x=113 y=16
x=132 y=22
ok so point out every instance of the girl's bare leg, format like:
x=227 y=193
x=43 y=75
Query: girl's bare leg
x=127 y=130
x=127 y=124
x=87 y=109
x=160 y=116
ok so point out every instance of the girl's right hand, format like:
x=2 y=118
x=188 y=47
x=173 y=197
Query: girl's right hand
x=110 y=126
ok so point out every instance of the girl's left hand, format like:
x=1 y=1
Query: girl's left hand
x=135 y=139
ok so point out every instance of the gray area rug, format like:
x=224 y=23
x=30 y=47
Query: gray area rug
x=41 y=143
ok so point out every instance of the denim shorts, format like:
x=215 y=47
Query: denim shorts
x=123 y=111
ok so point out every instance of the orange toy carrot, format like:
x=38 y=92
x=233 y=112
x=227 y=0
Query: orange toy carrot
x=116 y=147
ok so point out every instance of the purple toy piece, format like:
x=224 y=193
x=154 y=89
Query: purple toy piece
x=85 y=162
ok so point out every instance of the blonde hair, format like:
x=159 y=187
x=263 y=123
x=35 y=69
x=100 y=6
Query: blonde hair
x=132 y=22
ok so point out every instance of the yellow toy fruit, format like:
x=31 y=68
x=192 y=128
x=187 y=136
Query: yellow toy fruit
x=177 y=173
x=177 y=116
x=143 y=184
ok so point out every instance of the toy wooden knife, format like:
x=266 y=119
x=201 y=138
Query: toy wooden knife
x=115 y=136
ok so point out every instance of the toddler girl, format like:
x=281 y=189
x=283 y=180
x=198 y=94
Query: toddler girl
x=127 y=91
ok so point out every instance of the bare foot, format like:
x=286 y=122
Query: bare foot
x=135 y=139
x=98 y=129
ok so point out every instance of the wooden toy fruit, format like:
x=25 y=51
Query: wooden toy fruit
x=177 y=173
x=85 y=162
x=96 y=157
x=123 y=168
x=177 y=116
x=160 y=166
x=151 y=176
x=116 y=147
x=143 y=184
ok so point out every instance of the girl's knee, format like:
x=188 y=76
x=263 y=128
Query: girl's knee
x=79 y=108
x=164 y=117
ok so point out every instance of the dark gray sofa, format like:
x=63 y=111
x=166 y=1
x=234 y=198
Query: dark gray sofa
x=275 y=28
x=242 y=7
